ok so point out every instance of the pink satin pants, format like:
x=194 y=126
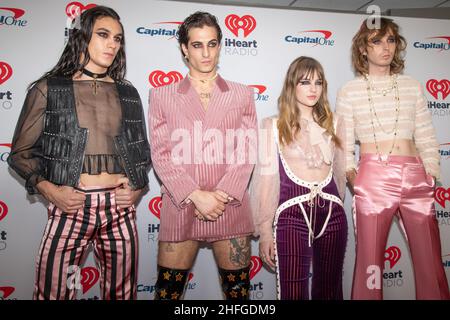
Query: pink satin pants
x=399 y=186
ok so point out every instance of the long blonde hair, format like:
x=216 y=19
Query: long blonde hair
x=289 y=113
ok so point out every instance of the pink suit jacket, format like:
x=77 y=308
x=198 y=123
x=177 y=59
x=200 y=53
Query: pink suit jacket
x=182 y=135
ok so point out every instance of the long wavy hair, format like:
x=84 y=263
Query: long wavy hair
x=77 y=46
x=289 y=113
x=361 y=41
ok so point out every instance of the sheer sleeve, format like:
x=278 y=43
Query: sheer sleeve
x=265 y=185
x=26 y=150
x=339 y=157
x=345 y=112
x=425 y=136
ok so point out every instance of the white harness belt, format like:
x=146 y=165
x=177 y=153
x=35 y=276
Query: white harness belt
x=316 y=190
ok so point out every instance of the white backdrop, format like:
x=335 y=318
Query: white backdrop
x=32 y=36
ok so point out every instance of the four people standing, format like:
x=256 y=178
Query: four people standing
x=81 y=142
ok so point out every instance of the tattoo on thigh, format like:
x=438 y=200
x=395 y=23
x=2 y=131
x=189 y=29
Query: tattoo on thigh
x=240 y=252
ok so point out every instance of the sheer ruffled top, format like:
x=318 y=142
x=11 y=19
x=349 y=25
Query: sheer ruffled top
x=310 y=158
x=100 y=113
x=310 y=150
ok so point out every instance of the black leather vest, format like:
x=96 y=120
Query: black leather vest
x=64 y=142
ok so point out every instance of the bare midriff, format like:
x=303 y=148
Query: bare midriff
x=402 y=147
x=102 y=180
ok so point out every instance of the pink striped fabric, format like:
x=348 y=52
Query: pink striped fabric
x=177 y=108
x=66 y=241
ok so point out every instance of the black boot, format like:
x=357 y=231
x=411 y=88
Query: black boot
x=235 y=283
x=170 y=284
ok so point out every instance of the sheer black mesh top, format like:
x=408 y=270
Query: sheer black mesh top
x=100 y=113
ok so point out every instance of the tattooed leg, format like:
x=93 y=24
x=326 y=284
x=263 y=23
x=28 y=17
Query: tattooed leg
x=233 y=258
x=240 y=252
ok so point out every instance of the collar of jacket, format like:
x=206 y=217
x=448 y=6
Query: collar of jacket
x=185 y=85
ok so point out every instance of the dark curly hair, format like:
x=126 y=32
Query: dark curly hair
x=198 y=19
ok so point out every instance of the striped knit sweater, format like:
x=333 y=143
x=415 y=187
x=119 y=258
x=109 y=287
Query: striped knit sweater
x=414 y=118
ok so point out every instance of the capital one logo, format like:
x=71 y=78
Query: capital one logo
x=12 y=20
x=259 y=89
x=325 y=33
x=441 y=195
x=255 y=266
x=159 y=78
x=247 y=23
x=392 y=255
x=17 y=12
x=435 y=87
x=74 y=9
x=160 y=31
x=3 y=210
x=5 y=292
x=84 y=278
x=155 y=206
x=5 y=72
x=258 y=92
x=314 y=37
x=442 y=43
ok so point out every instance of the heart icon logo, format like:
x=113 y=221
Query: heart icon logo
x=3 y=210
x=74 y=9
x=7 y=291
x=5 y=72
x=441 y=195
x=89 y=277
x=246 y=23
x=255 y=266
x=392 y=254
x=155 y=206
x=434 y=87
x=159 y=78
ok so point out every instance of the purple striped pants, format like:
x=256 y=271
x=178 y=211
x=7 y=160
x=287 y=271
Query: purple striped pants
x=294 y=254
x=66 y=241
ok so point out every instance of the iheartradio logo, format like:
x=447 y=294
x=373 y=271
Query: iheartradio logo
x=74 y=9
x=259 y=88
x=5 y=72
x=159 y=78
x=393 y=255
x=234 y=23
x=434 y=87
x=17 y=12
x=155 y=206
x=255 y=266
x=3 y=210
x=89 y=277
x=6 y=292
x=440 y=195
